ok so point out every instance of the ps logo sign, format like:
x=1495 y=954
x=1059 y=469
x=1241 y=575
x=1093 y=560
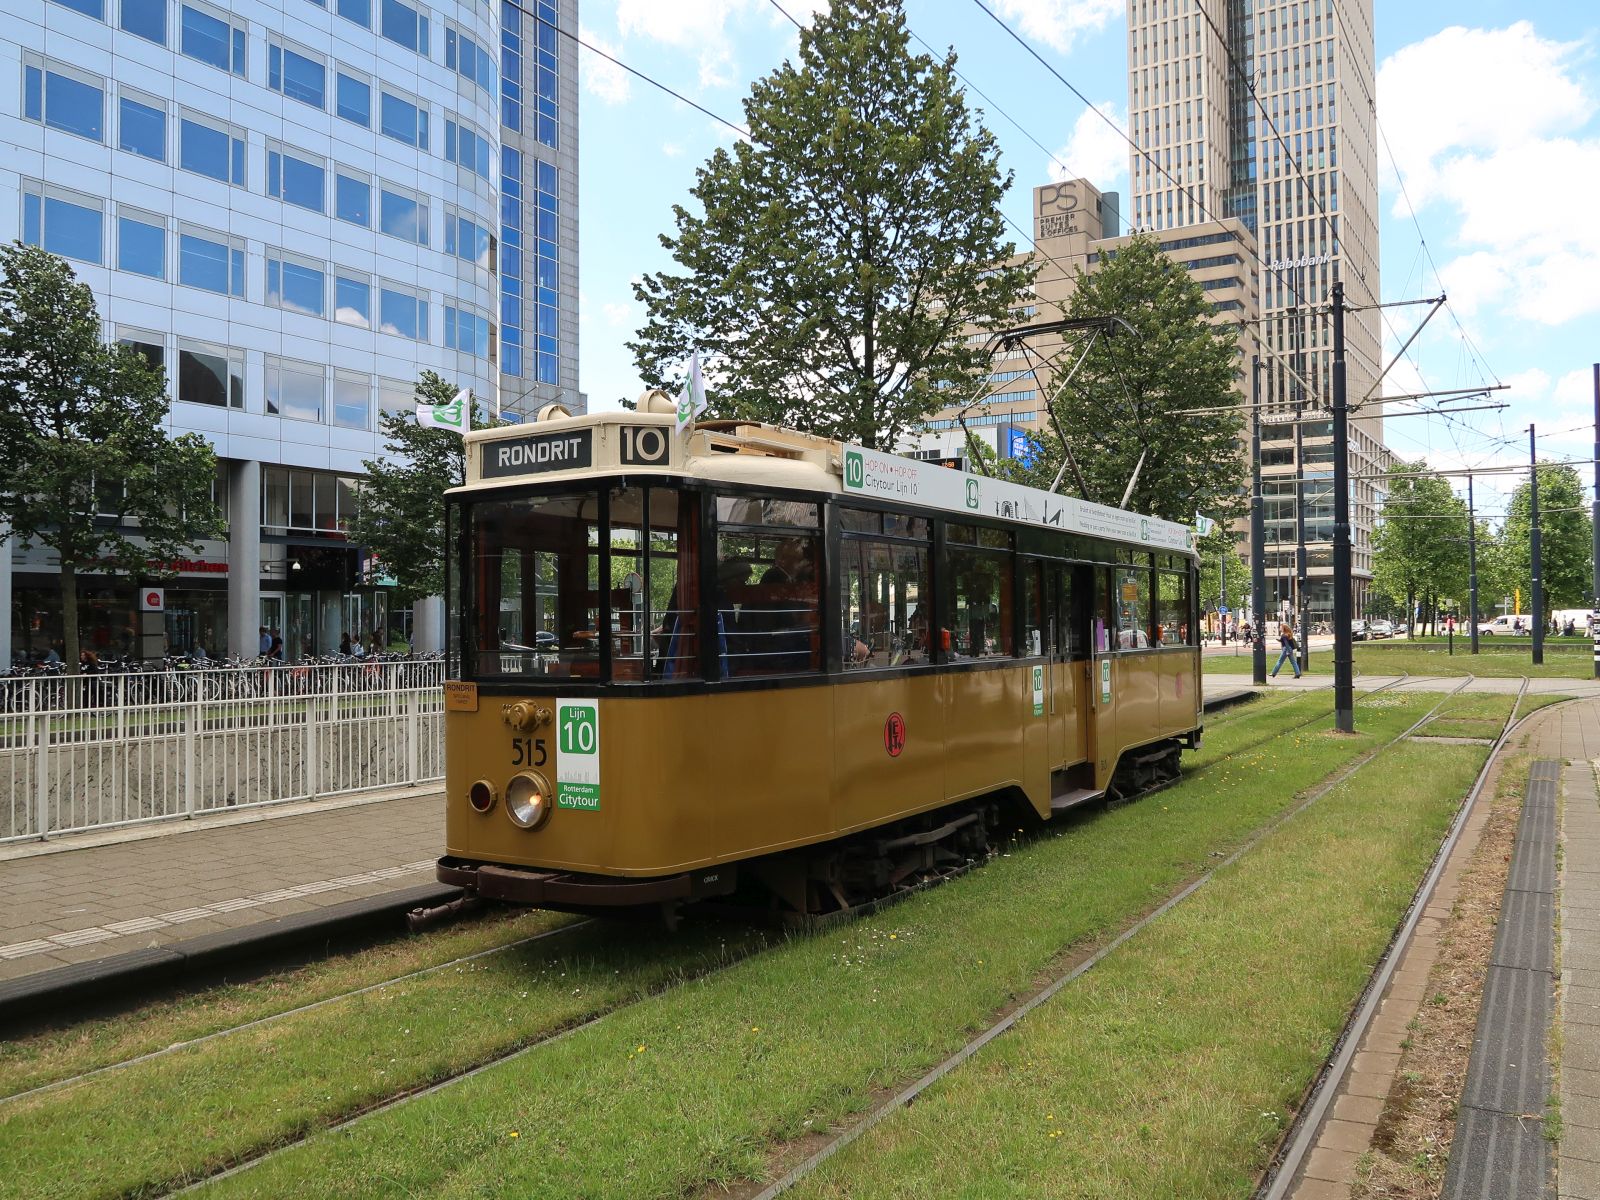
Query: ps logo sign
x=644 y=446
x=1058 y=198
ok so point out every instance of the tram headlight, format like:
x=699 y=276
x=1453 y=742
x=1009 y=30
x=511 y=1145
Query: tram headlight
x=528 y=799
x=482 y=796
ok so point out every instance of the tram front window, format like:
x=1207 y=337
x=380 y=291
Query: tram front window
x=534 y=568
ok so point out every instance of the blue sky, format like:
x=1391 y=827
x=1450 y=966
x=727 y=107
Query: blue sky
x=1489 y=108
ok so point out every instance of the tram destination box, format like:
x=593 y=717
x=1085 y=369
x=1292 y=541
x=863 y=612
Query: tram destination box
x=568 y=450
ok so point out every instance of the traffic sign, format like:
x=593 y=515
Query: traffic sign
x=1224 y=610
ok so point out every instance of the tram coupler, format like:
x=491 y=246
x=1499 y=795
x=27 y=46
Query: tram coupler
x=420 y=919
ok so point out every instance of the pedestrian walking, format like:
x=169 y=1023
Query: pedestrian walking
x=1286 y=640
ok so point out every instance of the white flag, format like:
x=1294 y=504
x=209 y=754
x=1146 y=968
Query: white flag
x=692 y=401
x=456 y=414
x=1203 y=525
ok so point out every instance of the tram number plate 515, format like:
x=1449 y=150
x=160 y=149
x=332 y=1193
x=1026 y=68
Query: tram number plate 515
x=528 y=752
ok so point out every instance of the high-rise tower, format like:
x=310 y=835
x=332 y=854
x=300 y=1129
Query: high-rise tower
x=1263 y=110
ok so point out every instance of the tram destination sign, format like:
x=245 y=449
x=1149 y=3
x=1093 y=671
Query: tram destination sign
x=908 y=481
x=537 y=453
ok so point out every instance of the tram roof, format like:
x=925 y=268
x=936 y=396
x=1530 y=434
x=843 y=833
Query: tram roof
x=749 y=454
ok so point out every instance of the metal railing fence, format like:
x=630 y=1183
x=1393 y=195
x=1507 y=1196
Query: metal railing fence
x=84 y=752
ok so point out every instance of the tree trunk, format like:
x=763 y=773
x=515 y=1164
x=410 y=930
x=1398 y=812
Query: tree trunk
x=1411 y=608
x=69 y=616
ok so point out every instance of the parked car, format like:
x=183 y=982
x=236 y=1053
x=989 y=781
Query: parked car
x=1382 y=629
x=1506 y=624
x=1358 y=631
x=1400 y=628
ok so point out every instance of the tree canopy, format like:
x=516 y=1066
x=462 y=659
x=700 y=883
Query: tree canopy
x=90 y=469
x=1420 y=546
x=400 y=514
x=1135 y=391
x=1565 y=540
x=841 y=251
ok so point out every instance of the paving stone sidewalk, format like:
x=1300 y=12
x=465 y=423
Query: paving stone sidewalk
x=73 y=901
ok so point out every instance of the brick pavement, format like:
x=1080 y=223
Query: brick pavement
x=76 y=900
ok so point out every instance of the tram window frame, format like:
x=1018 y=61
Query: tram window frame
x=876 y=544
x=781 y=520
x=1181 y=610
x=1138 y=623
x=966 y=547
x=655 y=642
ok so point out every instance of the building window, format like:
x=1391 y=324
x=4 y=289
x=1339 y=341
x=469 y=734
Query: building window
x=352 y=401
x=396 y=397
x=209 y=150
x=359 y=11
x=404 y=120
x=68 y=102
x=352 y=301
x=405 y=25
x=469 y=149
x=89 y=8
x=212 y=39
x=215 y=266
x=468 y=59
x=467 y=332
x=141 y=244
x=296 y=286
x=209 y=374
x=403 y=216
x=355 y=100
x=352 y=200
x=64 y=223
x=142 y=128
x=295 y=389
x=296 y=180
x=469 y=240
x=149 y=346
x=298 y=76
x=402 y=314
x=146 y=19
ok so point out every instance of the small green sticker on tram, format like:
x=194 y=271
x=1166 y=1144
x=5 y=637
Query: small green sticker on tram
x=585 y=796
x=1038 y=691
x=855 y=469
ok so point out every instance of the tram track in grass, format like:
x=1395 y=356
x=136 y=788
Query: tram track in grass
x=1015 y=1014
x=637 y=1025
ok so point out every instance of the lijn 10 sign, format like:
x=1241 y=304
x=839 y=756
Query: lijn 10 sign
x=578 y=754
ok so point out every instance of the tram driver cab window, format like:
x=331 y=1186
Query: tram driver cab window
x=769 y=558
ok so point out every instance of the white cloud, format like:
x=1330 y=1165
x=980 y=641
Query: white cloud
x=1094 y=150
x=671 y=149
x=604 y=80
x=1476 y=117
x=1058 y=23
x=617 y=314
x=1575 y=390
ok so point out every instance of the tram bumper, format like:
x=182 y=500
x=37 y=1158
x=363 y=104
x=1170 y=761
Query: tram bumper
x=566 y=889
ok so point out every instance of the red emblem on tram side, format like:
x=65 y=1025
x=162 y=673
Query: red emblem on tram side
x=894 y=734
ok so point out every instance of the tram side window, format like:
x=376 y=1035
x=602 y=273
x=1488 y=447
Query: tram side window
x=980 y=592
x=1132 y=608
x=886 y=596
x=769 y=553
x=534 y=576
x=1172 y=608
x=654 y=585
x=1036 y=632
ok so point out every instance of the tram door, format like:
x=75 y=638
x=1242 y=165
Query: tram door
x=1066 y=644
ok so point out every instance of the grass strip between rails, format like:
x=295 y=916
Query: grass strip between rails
x=692 y=1087
x=1169 y=1069
x=1476 y=715
x=55 y=1054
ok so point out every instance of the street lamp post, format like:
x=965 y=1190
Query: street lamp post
x=1343 y=659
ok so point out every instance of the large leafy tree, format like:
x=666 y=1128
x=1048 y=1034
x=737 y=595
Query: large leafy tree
x=841 y=251
x=1565 y=540
x=400 y=514
x=84 y=441
x=1136 y=391
x=1420 y=547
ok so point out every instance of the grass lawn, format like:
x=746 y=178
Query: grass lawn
x=1170 y=1068
x=1393 y=658
x=690 y=1087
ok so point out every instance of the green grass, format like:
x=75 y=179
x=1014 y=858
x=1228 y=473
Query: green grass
x=1395 y=658
x=690 y=1087
x=55 y=1054
x=1477 y=715
x=1171 y=1068
x=1534 y=703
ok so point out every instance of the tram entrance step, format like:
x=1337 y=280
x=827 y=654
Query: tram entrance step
x=1072 y=797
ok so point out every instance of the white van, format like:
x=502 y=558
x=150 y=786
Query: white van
x=1509 y=624
x=1578 y=616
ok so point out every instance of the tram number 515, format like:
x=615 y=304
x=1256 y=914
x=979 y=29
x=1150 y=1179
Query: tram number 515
x=528 y=752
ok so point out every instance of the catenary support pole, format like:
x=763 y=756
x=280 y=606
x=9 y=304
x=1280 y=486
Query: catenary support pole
x=1343 y=664
x=1222 y=604
x=1258 y=536
x=1535 y=548
x=1594 y=613
x=1299 y=620
x=1472 y=566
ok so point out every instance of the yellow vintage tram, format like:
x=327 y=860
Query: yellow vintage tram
x=747 y=658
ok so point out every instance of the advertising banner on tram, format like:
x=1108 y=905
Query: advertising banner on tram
x=906 y=481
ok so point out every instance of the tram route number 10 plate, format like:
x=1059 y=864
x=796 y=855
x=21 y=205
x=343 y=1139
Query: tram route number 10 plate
x=578 y=755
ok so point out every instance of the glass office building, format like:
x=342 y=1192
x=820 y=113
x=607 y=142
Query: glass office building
x=295 y=208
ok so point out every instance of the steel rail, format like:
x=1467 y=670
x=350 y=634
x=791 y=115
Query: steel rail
x=905 y=1097
x=1281 y=1175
